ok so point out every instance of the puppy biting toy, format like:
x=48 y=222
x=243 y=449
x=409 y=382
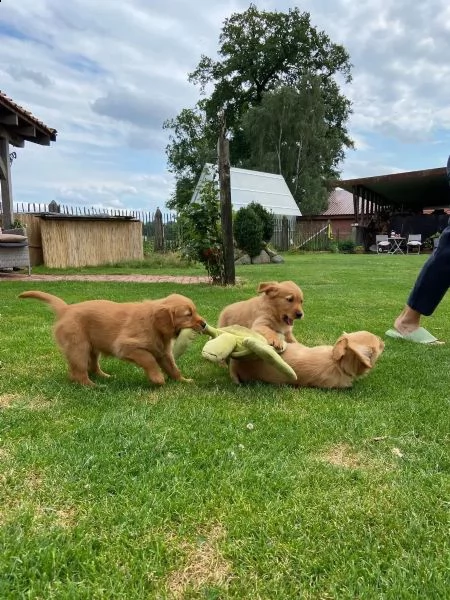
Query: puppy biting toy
x=237 y=342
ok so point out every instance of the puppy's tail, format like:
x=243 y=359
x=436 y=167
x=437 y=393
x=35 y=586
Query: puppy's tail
x=56 y=303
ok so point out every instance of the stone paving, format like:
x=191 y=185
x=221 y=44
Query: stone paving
x=185 y=279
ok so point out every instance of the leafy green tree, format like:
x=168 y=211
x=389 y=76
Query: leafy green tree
x=262 y=51
x=292 y=137
x=259 y=52
x=190 y=147
x=248 y=231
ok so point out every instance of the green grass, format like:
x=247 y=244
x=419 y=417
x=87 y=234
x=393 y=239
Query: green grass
x=209 y=490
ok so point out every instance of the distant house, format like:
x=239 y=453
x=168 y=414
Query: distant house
x=340 y=214
x=267 y=189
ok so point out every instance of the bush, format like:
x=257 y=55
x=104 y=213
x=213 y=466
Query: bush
x=203 y=232
x=248 y=231
x=333 y=248
x=347 y=246
x=267 y=220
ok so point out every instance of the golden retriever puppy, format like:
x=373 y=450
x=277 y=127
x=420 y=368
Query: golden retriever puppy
x=352 y=356
x=271 y=314
x=139 y=332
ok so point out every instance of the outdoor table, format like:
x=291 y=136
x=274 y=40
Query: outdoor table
x=396 y=245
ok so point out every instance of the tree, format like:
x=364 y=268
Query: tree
x=190 y=147
x=259 y=52
x=292 y=137
x=262 y=51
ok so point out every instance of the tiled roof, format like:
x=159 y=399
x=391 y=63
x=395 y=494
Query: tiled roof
x=25 y=114
x=340 y=202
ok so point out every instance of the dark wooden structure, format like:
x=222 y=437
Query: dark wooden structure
x=159 y=232
x=17 y=126
x=412 y=191
x=398 y=201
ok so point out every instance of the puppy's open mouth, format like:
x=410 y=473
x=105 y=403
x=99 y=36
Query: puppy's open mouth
x=288 y=320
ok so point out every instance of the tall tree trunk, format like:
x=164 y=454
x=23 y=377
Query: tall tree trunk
x=297 y=167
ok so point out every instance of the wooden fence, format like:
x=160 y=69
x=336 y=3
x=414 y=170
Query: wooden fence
x=26 y=213
x=303 y=234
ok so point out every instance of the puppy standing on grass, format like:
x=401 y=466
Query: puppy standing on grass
x=352 y=356
x=139 y=332
x=271 y=314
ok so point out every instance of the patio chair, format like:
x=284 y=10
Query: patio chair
x=414 y=242
x=14 y=250
x=382 y=243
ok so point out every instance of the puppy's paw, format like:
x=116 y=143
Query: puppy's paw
x=278 y=344
x=82 y=381
x=158 y=379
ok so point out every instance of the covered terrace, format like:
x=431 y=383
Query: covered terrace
x=17 y=126
x=408 y=202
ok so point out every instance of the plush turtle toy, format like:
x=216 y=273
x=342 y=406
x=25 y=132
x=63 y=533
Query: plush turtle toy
x=235 y=342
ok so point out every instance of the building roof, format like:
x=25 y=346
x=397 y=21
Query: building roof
x=409 y=190
x=22 y=125
x=268 y=189
x=340 y=202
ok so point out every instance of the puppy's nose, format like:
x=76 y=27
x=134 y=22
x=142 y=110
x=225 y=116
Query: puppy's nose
x=298 y=314
x=202 y=324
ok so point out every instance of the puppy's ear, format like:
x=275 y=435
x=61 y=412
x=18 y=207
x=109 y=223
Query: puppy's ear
x=340 y=348
x=364 y=354
x=164 y=320
x=269 y=287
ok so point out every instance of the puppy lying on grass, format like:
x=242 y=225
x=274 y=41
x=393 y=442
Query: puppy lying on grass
x=352 y=356
x=271 y=314
x=139 y=332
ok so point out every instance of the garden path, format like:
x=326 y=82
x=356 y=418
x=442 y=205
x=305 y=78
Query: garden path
x=186 y=279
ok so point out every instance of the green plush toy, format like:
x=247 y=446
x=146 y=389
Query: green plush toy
x=236 y=342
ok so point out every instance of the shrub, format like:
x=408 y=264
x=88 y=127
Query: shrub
x=347 y=246
x=267 y=220
x=248 y=231
x=333 y=248
x=203 y=232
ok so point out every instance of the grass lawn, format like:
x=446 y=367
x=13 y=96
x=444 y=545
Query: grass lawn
x=210 y=490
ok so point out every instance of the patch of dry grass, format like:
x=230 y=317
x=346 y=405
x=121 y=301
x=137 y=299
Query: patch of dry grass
x=203 y=565
x=344 y=456
x=6 y=400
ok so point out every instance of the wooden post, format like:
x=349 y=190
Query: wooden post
x=159 y=232
x=356 y=202
x=6 y=189
x=284 y=234
x=226 y=214
x=54 y=207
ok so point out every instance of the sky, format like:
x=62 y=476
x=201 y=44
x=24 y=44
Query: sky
x=107 y=74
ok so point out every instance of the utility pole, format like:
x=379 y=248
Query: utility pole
x=226 y=215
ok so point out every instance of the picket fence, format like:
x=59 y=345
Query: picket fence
x=287 y=234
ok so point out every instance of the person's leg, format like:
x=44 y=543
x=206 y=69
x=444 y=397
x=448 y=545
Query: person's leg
x=430 y=287
x=407 y=321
